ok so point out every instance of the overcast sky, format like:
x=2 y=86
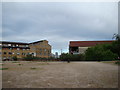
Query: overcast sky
x=59 y=22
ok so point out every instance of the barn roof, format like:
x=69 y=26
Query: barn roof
x=87 y=43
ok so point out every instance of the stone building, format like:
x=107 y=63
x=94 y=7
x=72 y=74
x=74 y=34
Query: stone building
x=37 y=49
x=78 y=47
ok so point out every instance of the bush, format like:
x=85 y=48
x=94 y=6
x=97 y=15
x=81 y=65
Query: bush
x=100 y=52
x=66 y=57
x=15 y=58
x=31 y=58
x=28 y=57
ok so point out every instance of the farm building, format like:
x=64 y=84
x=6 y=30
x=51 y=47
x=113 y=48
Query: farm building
x=77 y=47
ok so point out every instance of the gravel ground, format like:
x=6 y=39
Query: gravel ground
x=25 y=74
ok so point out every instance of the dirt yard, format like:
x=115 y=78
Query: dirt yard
x=25 y=74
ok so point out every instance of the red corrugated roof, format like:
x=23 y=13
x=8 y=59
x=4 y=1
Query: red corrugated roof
x=87 y=43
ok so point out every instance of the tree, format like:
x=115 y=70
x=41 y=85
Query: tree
x=116 y=45
x=100 y=52
x=104 y=51
x=71 y=57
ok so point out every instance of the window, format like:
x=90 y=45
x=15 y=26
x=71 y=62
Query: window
x=0 y=52
x=40 y=53
x=18 y=53
x=5 y=45
x=4 y=57
x=10 y=48
x=9 y=44
x=48 y=51
x=48 y=55
x=26 y=45
x=23 y=53
x=0 y=44
x=40 y=49
x=45 y=50
x=16 y=44
x=10 y=53
x=44 y=53
x=5 y=53
x=9 y=57
x=18 y=48
x=13 y=45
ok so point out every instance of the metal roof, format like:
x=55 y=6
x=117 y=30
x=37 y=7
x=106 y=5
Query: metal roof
x=87 y=43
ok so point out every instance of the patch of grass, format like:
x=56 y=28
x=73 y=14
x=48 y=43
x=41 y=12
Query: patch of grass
x=3 y=68
x=20 y=64
x=33 y=68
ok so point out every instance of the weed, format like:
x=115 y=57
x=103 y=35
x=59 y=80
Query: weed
x=20 y=64
x=3 y=68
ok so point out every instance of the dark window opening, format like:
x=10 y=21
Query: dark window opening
x=5 y=53
x=10 y=52
x=74 y=50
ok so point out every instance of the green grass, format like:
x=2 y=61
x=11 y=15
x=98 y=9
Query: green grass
x=3 y=68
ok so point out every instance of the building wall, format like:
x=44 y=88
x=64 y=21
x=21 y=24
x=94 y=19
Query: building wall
x=9 y=53
x=82 y=49
x=40 y=49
